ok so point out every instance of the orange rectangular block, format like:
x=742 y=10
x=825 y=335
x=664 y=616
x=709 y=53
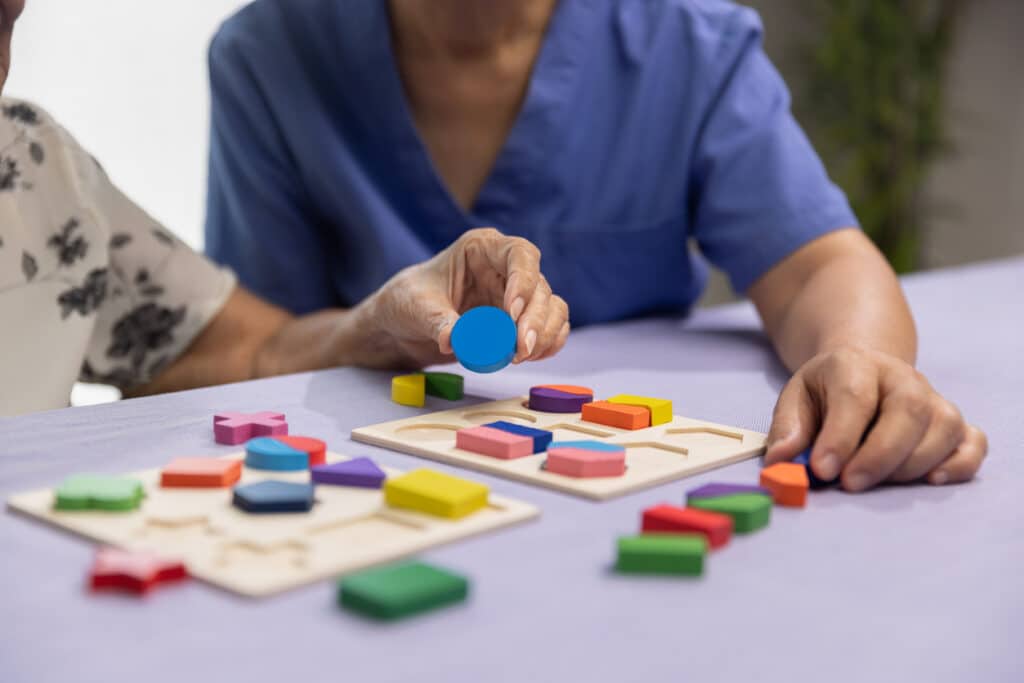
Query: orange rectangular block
x=201 y=473
x=788 y=483
x=616 y=415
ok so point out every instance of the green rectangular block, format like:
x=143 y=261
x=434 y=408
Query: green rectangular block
x=401 y=590
x=444 y=385
x=681 y=554
x=749 y=511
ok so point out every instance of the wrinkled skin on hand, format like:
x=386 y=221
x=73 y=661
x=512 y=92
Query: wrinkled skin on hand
x=872 y=418
x=413 y=313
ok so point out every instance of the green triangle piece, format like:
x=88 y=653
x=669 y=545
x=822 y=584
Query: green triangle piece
x=749 y=511
x=681 y=554
x=444 y=385
x=98 y=492
x=401 y=590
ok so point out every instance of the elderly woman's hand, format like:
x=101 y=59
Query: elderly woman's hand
x=413 y=313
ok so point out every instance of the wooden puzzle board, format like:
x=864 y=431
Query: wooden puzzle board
x=655 y=455
x=257 y=555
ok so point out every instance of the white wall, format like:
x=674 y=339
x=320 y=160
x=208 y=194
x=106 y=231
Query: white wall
x=128 y=79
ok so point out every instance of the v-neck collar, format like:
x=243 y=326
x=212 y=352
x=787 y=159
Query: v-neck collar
x=519 y=167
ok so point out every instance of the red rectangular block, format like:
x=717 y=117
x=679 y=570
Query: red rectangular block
x=673 y=519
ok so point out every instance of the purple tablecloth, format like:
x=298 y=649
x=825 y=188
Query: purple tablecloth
x=900 y=584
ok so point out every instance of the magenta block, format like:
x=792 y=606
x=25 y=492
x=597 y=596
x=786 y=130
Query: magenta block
x=234 y=428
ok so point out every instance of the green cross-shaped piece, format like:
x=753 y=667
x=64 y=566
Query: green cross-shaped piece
x=98 y=492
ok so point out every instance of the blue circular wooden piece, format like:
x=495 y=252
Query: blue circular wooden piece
x=267 y=453
x=484 y=339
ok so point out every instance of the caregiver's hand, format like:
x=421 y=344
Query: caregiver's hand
x=412 y=314
x=872 y=417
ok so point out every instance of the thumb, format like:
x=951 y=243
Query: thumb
x=794 y=423
x=442 y=320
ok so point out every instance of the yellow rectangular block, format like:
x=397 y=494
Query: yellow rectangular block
x=435 y=493
x=661 y=408
x=409 y=390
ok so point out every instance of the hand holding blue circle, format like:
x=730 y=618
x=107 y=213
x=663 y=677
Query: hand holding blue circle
x=484 y=339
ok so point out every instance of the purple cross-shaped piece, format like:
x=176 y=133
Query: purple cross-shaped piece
x=234 y=428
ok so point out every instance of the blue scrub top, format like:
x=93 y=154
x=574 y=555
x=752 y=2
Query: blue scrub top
x=646 y=123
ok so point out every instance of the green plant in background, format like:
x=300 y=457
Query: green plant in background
x=874 y=106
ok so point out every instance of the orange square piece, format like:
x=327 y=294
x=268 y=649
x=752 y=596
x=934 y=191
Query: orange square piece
x=788 y=483
x=616 y=415
x=201 y=473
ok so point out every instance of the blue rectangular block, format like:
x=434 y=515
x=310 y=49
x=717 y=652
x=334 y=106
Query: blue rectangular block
x=541 y=438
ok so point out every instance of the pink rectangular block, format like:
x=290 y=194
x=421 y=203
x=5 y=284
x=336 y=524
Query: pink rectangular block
x=576 y=462
x=494 y=442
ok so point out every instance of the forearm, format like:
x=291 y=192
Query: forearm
x=330 y=338
x=251 y=338
x=837 y=292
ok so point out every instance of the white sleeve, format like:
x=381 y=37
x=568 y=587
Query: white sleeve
x=93 y=281
x=160 y=293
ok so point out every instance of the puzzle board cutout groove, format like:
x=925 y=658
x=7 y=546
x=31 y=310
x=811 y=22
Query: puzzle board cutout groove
x=680 y=448
x=348 y=529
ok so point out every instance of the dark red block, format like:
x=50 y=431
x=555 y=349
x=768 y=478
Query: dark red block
x=672 y=519
x=132 y=571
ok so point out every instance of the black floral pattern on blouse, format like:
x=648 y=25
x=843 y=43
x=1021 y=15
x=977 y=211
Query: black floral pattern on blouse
x=36 y=153
x=147 y=328
x=162 y=236
x=119 y=239
x=118 y=377
x=9 y=173
x=145 y=286
x=70 y=247
x=29 y=267
x=86 y=298
x=22 y=113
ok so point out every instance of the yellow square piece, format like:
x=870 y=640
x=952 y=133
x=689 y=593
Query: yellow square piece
x=409 y=390
x=661 y=409
x=435 y=493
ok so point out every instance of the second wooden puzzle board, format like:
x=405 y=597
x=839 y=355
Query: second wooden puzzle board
x=655 y=455
x=260 y=554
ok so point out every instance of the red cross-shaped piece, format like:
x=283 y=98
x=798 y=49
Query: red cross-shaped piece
x=136 y=572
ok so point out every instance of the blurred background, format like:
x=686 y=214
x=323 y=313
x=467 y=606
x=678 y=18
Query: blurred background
x=917 y=107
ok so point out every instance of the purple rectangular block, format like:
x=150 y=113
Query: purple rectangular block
x=361 y=472
x=714 y=490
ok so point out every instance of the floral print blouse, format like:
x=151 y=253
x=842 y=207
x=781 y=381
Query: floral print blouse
x=91 y=287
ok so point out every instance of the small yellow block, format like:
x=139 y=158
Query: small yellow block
x=435 y=493
x=409 y=390
x=661 y=409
